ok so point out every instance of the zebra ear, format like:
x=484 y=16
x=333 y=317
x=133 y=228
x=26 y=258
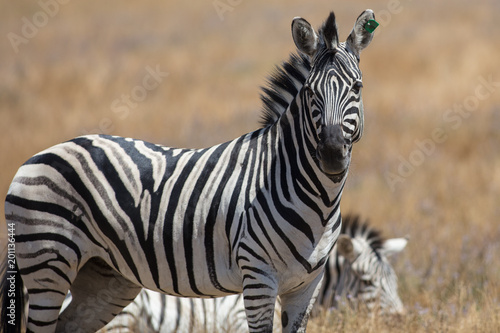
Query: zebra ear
x=304 y=36
x=393 y=246
x=360 y=37
x=345 y=247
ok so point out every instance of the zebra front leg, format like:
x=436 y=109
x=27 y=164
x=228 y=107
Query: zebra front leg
x=296 y=306
x=259 y=297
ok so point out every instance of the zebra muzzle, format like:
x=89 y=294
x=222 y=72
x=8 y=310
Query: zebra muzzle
x=334 y=152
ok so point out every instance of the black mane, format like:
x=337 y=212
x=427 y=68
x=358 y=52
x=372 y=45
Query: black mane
x=282 y=87
x=354 y=227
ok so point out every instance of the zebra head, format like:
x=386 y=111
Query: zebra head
x=332 y=92
x=367 y=275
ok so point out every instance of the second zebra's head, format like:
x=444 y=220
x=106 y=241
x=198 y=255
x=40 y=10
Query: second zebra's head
x=332 y=92
x=367 y=275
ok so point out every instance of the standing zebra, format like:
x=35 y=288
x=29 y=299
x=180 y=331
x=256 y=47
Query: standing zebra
x=362 y=259
x=105 y=216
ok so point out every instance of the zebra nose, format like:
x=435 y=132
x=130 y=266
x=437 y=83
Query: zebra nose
x=398 y=311
x=333 y=150
x=401 y=312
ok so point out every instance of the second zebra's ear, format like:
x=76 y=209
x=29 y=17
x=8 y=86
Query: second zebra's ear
x=362 y=33
x=393 y=246
x=345 y=247
x=305 y=37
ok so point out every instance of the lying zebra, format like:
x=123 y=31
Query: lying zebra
x=358 y=269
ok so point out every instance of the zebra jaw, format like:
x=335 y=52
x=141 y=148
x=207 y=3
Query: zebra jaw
x=336 y=177
x=330 y=167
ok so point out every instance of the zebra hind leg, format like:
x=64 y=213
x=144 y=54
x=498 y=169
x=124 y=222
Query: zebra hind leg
x=98 y=294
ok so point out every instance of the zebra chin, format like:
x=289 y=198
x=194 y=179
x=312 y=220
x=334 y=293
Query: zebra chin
x=334 y=166
x=336 y=172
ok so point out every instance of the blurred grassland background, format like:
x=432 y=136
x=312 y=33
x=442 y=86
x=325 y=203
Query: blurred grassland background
x=428 y=165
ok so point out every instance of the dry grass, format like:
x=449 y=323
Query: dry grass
x=426 y=59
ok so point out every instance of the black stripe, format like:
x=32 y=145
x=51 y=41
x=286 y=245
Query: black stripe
x=53 y=209
x=76 y=220
x=73 y=178
x=254 y=254
x=40 y=323
x=33 y=291
x=168 y=235
x=125 y=199
x=287 y=213
x=302 y=153
x=255 y=270
x=270 y=240
x=325 y=284
x=212 y=217
x=43 y=307
x=180 y=314
x=163 y=313
x=237 y=237
x=233 y=204
x=257 y=297
x=101 y=160
x=52 y=237
x=45 y=265
x=188 y=224
x=291 y=246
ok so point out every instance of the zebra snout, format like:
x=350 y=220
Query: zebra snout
x=397 y=313
x=333 y=150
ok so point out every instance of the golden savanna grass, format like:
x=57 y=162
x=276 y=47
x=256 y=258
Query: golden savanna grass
x=428 y=165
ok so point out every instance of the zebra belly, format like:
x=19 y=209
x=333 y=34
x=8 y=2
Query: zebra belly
x=190 y=268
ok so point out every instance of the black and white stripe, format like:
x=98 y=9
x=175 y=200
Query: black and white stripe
x=370 y=273
x=106 y=216
x=361 y=272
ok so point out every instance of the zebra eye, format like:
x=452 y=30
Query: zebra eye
x=368 y=283
x=356 y=87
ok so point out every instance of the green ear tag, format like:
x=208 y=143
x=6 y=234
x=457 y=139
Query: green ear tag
x=371 y=25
